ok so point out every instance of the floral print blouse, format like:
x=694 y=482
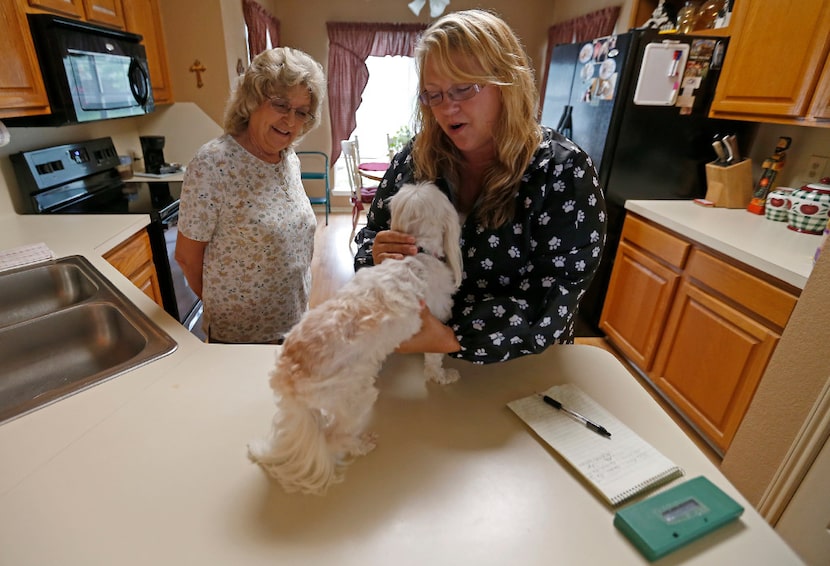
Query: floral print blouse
x=259 y=225
x=522 y=281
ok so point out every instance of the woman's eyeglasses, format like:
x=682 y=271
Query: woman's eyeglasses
x=456 y=93
x=282 y=107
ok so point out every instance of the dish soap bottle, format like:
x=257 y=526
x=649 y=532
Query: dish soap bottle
x=769 y=169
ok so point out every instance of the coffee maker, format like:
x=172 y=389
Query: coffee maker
x=153 y=149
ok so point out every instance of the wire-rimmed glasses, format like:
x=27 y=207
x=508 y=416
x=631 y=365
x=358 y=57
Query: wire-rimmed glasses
x=455 y=93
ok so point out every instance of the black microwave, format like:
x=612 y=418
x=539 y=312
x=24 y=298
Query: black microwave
x=90 y=72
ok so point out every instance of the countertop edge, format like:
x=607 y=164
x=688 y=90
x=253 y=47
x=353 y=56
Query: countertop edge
x=759 y=243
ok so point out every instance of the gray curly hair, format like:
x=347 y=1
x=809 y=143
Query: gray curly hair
x=271 y=73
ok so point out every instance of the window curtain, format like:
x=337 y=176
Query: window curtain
x=584 y=28
x=259 y=23
x=349 y=46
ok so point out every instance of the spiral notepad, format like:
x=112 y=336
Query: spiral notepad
x=619 y=467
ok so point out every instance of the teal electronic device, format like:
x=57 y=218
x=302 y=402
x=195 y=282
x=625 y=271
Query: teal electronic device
x=664 y=522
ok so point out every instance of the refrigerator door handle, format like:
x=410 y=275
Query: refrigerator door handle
x=565 y=125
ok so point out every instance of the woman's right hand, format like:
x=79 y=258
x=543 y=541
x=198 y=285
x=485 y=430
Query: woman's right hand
x=390 y=244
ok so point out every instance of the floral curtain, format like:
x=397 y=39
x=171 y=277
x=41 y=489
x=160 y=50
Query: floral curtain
x=590 y=26
x=349 y=46
x=259 y=23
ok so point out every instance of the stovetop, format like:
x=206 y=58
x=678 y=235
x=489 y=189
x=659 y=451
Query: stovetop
x=82 y=178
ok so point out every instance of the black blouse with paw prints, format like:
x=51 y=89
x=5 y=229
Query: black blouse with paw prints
x=522 y=281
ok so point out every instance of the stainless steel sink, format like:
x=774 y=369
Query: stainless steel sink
x=42 y=289
x=63 y=328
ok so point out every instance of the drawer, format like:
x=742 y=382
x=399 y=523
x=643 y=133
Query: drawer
x=656 y=241
x=762 y=297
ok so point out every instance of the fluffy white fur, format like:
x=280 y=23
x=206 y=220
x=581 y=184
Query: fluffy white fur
x=324 y=379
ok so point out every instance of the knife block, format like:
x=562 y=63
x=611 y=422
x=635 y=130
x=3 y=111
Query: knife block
x=729 y=187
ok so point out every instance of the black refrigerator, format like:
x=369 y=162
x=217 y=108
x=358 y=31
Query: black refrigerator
x=637 y=103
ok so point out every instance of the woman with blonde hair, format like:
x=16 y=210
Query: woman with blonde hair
x=246 y=226
x=532 y=209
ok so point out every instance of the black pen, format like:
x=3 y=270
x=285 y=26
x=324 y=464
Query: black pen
x=599 y=429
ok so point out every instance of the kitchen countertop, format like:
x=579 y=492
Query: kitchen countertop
x=151 y=467
x=751 y=239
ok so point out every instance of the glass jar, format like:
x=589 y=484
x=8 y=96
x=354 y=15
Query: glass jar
x=686 y=17
x=708 y=13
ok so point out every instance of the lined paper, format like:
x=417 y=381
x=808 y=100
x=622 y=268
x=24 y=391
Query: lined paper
x=619 y=467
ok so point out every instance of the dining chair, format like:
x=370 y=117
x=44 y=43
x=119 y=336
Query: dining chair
x=315 y=165
x=360 y=193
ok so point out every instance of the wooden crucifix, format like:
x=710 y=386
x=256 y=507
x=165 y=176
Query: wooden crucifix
x=198 y=68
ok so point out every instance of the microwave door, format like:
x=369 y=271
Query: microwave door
x=102 y=81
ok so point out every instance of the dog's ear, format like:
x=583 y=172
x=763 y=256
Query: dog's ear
x=452 y=245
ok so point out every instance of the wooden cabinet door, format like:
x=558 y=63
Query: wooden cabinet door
x=777 y=51
x=637 y=304
x=820 y=109
x=22 y=92
x=105 y=12
x=134 y=259
x=71 y=8
x=710 y=361
x=144 y=18
x=145 y=278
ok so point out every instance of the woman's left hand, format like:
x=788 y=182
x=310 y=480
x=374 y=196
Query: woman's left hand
x=435 y=337
x=390 y=244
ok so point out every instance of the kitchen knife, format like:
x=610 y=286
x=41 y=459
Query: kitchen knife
x=731 y=143
x=720 y=150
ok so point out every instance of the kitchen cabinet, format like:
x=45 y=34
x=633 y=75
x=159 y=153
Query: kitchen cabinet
x=777 y=67
x=144 y=18
x=643 y=283
x=134 y=259
x=104 y=12
x=22 y=92
x=69 y=8
x=699 y=327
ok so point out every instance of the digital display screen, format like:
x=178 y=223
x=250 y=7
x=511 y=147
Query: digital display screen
x=681 y=511
x=79 y=155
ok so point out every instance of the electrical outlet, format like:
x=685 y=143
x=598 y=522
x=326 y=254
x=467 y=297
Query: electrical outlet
x=817 y=167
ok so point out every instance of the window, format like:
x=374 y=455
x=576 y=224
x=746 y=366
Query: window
x=388 y=104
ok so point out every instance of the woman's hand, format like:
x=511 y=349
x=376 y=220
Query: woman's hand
x=390 y=244
x=434 y=337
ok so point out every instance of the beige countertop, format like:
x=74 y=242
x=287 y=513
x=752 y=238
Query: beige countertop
x=151 y=467
x=760 y=243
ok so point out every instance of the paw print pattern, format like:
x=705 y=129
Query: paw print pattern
x=522 y=281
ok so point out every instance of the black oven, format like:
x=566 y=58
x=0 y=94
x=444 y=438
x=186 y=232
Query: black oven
x=81 y=178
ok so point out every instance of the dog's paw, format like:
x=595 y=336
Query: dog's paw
x=368 y=442
x=444 y=376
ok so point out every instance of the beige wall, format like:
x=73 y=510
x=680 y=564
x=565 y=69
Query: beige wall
x=212 y=33
x=303 y=26
x=796 y=375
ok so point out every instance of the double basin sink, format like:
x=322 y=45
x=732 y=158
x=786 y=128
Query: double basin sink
x=63 y=328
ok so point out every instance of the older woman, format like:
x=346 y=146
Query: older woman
x=530 y=201
x=246 y=227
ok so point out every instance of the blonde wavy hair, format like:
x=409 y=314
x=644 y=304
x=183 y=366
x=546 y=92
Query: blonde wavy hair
x=270 y=74
x=482 y=38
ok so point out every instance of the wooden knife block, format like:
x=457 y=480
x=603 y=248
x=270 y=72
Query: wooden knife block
x=729 y=187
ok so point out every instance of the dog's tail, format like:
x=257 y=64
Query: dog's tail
x=296 y=452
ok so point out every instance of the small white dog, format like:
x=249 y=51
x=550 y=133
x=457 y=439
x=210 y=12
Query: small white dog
x=324 y=380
